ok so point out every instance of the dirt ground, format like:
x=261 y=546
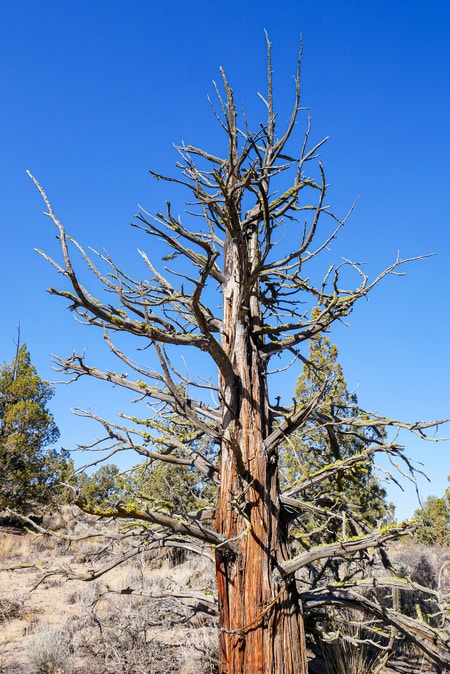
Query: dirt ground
x=126 y=621
x=49 y=623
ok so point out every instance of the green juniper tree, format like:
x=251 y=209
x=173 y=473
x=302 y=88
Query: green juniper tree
x=102 y=488
x=167 y=487
x=433 y=520
x=29 y=470
x=349 y=499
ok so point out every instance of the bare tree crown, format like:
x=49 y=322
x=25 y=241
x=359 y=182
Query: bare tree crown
x=243 y=283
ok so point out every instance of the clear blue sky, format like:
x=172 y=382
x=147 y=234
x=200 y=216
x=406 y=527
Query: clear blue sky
x=93 y=94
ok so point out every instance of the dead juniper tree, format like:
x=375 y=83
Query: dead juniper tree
x=248 y=288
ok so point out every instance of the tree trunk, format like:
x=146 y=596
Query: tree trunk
x=260 y=619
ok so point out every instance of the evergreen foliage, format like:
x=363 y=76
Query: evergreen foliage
x=29 y=473
x=433 y=520
x=170 y=488
x=102 y=488
x=318 y=444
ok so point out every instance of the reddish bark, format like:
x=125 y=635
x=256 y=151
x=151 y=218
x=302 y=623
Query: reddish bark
x=260 y=620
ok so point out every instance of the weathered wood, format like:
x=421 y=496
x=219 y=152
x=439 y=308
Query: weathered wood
x=260 y=619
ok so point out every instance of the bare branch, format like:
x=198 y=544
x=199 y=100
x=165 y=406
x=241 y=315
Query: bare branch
x=345 y=549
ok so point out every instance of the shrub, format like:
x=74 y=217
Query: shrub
x=49 y=651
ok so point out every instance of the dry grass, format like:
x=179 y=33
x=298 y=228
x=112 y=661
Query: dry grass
x=49 y=651
x=127 y=621
x=349 y=645
x=14 y=546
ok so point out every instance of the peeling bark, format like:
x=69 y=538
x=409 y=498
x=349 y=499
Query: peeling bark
x=260 y=619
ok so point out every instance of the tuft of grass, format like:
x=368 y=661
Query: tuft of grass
x=199 y=654
x=49 y=651
x=342 y=657
x=351 y=645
